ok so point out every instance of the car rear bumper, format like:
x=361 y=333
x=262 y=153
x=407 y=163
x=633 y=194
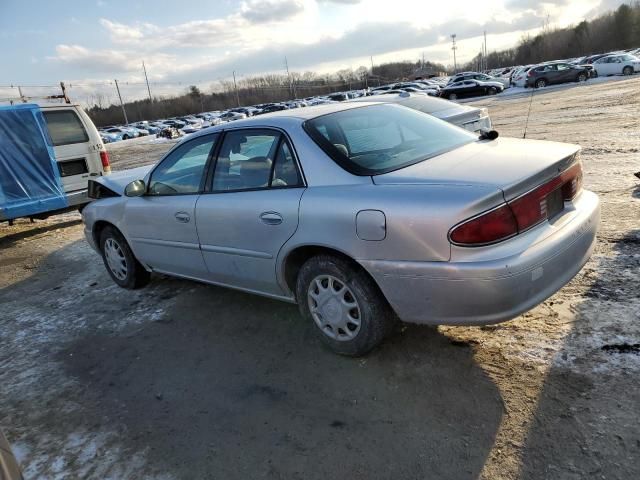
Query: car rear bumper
x=78 y=197
x=486 y=292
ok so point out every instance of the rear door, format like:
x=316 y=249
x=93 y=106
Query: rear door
x=250 y=210
x=72 y=146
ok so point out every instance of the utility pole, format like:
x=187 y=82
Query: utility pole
x=486 y=66
x=124 y=112
x=292 y=87
x=235 y=87
x=147 y=80
x=453 y=47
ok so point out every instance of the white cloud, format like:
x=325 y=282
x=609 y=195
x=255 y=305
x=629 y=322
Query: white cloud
x=265 y=11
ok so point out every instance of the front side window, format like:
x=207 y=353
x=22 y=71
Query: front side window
x=181 y=171
x=65 y=128
x=562 y=67
x=377 y=139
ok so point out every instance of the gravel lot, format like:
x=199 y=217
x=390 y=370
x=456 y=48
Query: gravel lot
x=182 y=380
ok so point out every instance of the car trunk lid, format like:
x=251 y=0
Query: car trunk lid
x=514 y=166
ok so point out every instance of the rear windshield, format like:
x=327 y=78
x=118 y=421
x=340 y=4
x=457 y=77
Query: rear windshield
x=377 y=139
x=65 y=127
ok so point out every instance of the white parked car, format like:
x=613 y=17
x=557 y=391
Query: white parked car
x=621 y=64
x=78 y=147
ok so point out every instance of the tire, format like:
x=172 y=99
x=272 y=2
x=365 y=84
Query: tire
x=492 y=91
x=582 y=77
x=541 y=83
x=125 y=137
x=362 y=318
x=119 y=261
x=595 y=74
x=627 y=70
x=452 y=96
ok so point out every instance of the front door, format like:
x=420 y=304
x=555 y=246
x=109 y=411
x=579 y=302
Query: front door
x=161 y=225
x=250 y=210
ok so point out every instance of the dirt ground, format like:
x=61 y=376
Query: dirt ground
x=182 y=380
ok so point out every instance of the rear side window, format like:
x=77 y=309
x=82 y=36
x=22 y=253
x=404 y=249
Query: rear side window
x=65 y=127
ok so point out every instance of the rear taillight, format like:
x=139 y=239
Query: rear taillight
x=104 y=158
x=519 y=214
x=493 y=226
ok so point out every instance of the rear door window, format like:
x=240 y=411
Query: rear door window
x=65 y=128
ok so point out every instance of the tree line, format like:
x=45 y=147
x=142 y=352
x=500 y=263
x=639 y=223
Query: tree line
x=256 y=90
x=615 y=30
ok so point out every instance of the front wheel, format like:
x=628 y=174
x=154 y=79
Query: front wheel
x=125 y=137
x=627 y=70
x=452 y=96
x=492 y=91
x=344 y=305
x=118 y=258
x=582 y=77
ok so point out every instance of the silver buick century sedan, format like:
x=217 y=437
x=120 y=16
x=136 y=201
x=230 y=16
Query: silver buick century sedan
x=360 y=213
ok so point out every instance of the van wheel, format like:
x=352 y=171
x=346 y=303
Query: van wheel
x=627 y=70
x=118 y=258
x=541 y=83
x=345 y=306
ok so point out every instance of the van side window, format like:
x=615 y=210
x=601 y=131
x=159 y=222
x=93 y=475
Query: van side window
x=65 y=127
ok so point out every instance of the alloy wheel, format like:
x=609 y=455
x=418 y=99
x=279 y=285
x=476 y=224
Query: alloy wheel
x=116 y=260
x=334 y=308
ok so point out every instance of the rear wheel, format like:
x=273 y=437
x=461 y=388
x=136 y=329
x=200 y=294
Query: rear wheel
x=492 y=91
x=452 y=96
x=118 y=258
x=594 y=74
x=344 y=305
x=627 y=70
x=541 y=83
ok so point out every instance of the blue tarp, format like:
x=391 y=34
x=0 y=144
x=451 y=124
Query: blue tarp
x=30 y=181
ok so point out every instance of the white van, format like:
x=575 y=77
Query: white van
x=78 y=147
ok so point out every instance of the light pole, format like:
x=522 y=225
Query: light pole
x=453 y=47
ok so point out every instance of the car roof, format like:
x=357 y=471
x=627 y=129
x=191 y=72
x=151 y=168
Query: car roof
x=283 y=117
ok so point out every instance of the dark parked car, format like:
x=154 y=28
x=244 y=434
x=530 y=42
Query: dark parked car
x=470 y=88
x=550 y=73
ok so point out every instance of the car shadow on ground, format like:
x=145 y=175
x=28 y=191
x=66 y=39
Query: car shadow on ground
x=582 y=426
x=237 y=386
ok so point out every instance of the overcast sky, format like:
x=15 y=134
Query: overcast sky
x=86 y=42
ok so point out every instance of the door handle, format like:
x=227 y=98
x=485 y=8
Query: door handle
x=182 y=217
x=271 y=218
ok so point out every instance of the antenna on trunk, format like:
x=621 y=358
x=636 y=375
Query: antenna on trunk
x=524 y=135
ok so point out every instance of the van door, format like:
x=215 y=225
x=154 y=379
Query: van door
x=72 y=145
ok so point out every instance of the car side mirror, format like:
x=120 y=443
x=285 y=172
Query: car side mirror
x=488 y=134
x=136 y=188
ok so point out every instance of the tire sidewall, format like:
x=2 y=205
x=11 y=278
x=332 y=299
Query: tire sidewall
x=627 y=70
x=376 y=319
x=541 y=83
x=452 y=96
x=130 y=280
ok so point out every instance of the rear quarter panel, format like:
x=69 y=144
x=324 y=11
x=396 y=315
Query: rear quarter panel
x=418 y=219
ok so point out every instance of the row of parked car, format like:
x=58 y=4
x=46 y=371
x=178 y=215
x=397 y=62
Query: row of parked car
x=460 y=85
x=539 y=75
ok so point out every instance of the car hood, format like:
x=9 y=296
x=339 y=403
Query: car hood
x=513 y=165
x=117 y=181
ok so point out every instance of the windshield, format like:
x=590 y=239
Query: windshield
x=378 y=139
